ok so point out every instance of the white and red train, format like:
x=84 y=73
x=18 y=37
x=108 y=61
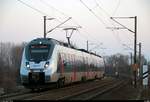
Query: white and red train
x=46 y=61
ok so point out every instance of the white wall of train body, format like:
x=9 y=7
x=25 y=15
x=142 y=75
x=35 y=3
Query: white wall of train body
x=73 y=58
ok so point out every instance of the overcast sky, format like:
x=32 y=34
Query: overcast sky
x=19 y=23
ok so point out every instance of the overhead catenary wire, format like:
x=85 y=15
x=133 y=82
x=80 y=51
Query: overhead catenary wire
x=102 y=8
x=62 y=13
x=87 y=37
x=91 y=42
x=118 y=4
x=129 y=38
x=116 y=8
x=120 y=42
x=116 y=34
x=48 y=5
x=94 y=13
x=51 y=7
x=124 y=28
x=107 y=15
x=35 y=9
x=118 y=38
x=39 y=11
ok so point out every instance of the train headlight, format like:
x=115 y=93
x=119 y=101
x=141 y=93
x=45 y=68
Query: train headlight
x=27 y=65
x=46 y=64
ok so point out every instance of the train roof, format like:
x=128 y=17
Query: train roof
x=47 y=40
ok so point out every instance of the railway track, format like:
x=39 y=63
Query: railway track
x=93 y=92
x=22 y=92
x=62 y=92
x=82 y=91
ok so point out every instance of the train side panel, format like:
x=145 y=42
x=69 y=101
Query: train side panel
x=73 y=65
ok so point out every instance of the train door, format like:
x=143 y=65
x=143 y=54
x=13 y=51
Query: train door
x=73 y=67
x=60 y=67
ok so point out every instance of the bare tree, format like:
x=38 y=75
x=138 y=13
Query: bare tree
x=16 y=55
x=10 y=59
x=117 y=63
x=5 y=63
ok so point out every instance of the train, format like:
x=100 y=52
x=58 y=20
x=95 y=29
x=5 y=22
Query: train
x=47 y=60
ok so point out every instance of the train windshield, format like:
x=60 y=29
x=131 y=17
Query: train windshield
x=39 y=52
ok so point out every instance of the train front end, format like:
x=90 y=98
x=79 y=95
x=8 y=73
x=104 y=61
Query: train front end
x=36 y=64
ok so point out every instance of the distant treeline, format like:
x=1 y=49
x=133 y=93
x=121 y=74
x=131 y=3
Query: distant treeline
x=10 y=58
x=121 y=64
